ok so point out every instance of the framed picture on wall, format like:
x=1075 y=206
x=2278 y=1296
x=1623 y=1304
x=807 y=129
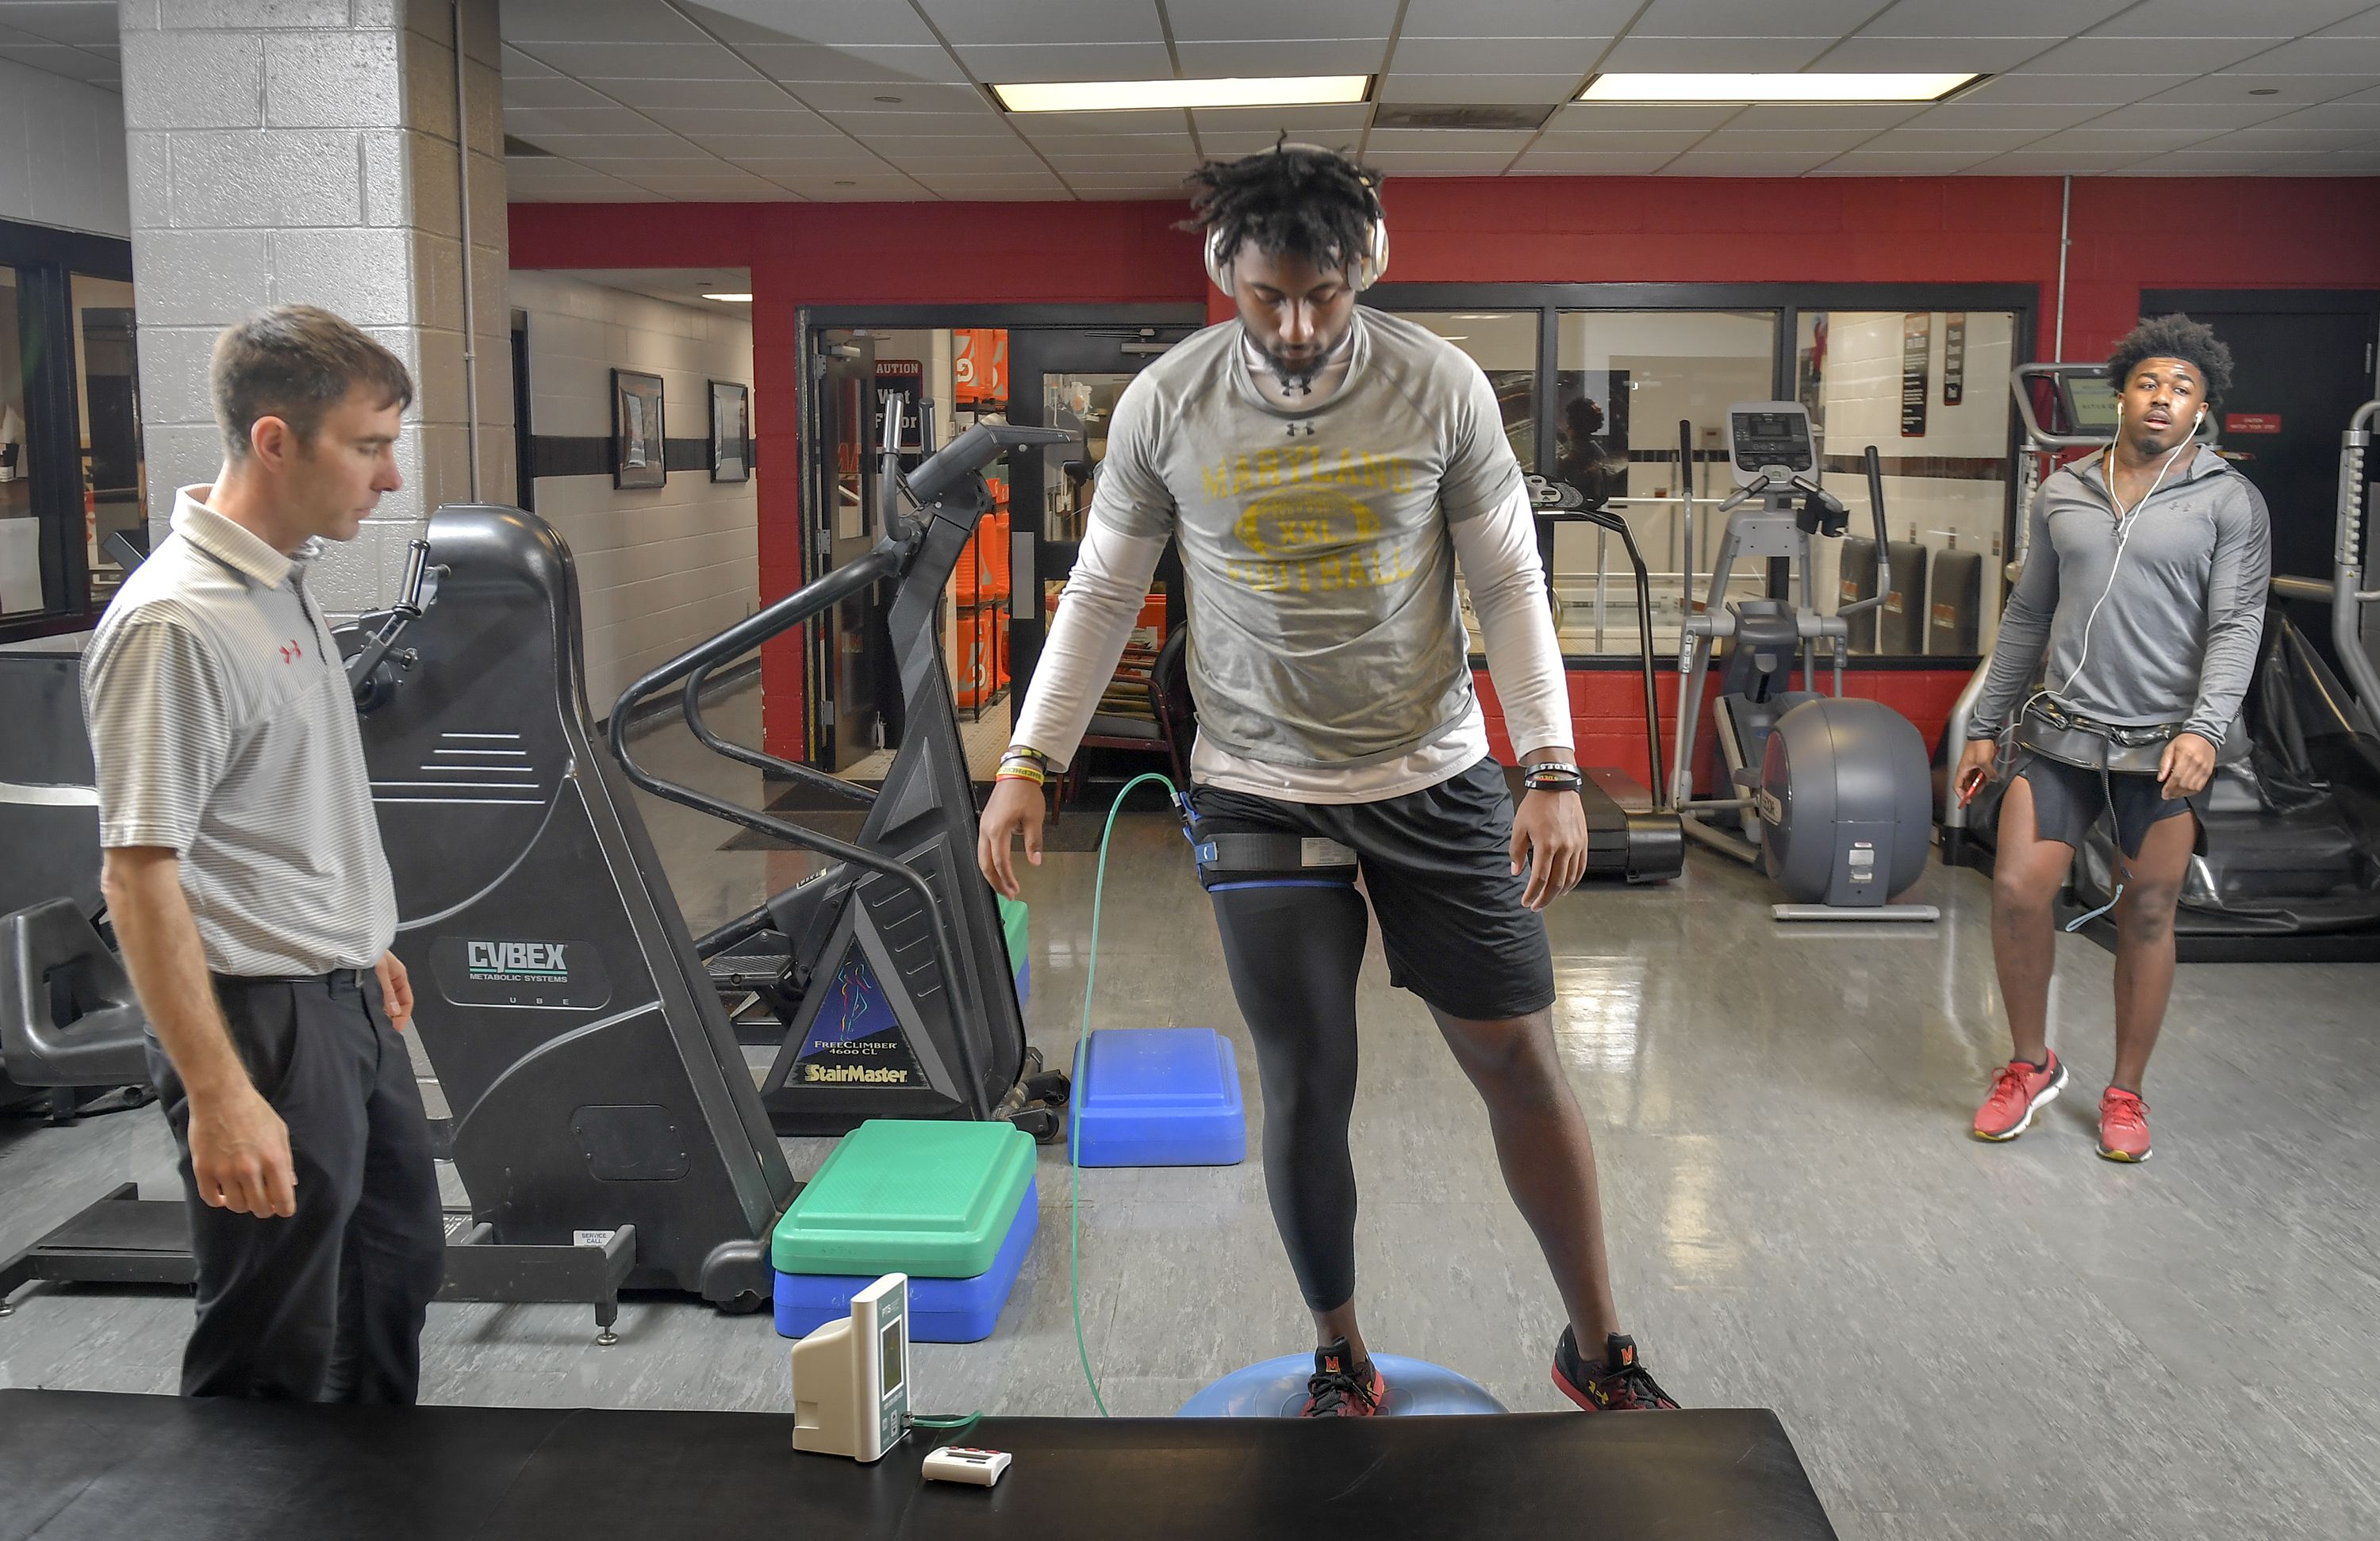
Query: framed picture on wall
x=638 y=448
x=731 y=432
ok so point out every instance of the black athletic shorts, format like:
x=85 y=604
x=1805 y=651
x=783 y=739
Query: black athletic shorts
x=2068 y=799
x=1437 y=864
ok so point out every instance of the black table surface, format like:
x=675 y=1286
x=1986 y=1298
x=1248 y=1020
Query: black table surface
x=100 y=1464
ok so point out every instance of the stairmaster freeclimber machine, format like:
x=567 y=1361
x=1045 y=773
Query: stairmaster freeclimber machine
x=605 y=1124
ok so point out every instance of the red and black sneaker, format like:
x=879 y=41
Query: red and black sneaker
x=1622 y=1385
x=1342 y=1385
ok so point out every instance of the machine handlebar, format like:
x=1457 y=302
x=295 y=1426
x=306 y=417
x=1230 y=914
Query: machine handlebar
x=972 y=450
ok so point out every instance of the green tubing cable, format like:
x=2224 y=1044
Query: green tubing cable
x=1091 y=981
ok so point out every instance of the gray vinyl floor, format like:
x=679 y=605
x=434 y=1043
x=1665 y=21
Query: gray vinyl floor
x=1964 y=1340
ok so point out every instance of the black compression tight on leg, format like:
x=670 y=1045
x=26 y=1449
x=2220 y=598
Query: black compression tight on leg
x=1294 y=952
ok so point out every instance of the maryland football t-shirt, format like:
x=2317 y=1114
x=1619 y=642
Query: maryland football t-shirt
x=1324 y=627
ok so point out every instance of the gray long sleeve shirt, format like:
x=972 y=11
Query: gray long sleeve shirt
x=2175 y=639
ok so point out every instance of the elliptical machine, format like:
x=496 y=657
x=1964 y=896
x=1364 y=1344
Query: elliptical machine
x=1832 y=795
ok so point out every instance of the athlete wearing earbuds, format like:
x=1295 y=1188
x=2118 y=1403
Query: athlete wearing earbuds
x=2139 y=609
x=1321 y=468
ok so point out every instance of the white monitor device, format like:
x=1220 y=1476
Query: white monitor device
x=851 y=1377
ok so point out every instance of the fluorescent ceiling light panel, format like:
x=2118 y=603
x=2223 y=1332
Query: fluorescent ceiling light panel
x=738 y=300
x=1110 y=96
x=1811 y=87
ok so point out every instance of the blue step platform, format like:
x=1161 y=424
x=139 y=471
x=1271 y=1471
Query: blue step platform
x=1276 y=1388
x=941 y=1310
x=1158 y=1096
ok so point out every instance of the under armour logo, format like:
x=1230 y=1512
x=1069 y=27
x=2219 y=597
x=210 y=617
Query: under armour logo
x=291 y=652
x=1296 y=429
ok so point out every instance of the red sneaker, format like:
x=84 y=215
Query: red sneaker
x=1619 y=1385
x=1342 y=1385
x=2123 y=1126
x=2018 y=1092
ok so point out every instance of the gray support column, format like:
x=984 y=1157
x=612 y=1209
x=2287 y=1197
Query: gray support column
x=304 y=152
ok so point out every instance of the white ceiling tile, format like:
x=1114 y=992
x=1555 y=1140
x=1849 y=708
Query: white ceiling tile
x=1820 y=114
x=1426 y=162
x=653 y=96
x=2206 y=117
x=1517 y=18
x=1699 y=19
x=1937 y=141
x=829 y=21
x=637 y=21
x=2120 y=56
x=683 y=185
x=2330 y=115
x=788 y=120
x=640 y=61
x=551 y=91
x=585 y=147
x=2153 y=141
x=846 y=163
x=2053 y=163
x=2219 y=163
x=901 y=149
x=758 y=147
x=517 y=64
x=870 y=125
x=1026 y=23
x=77 y=23
x=1484 y=141
x=1176 y=166
x=1279 y=57
x=1999 y=19
x=608 y=191
x=1269 y=121
x=2303 y=141
x=1983 y=55
x=1786 y=141
x=533 y=123
x=2269 y=18
x=1074 y=126
x=1573 y=57
x=1722 y=54
x=1017 y=62
x=2303 y=90
x=1899 y=162
x=1214 y=20
x=2071 y=90
x=988 y=181
x=1616 y=163
x=1539 y=90
x=870 y=97
x=2365 y=24
x=2037 y=117
x=1622 y=142
x=886 y=188
x=645 y=168
x=893 y=66
x=1580 y=116
x=2323 y=55
x=1742 y=163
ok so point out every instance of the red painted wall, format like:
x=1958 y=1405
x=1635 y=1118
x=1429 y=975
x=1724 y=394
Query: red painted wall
x=2126 y=234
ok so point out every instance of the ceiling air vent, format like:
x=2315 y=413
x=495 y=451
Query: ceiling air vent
x=1494 y=116
x=516 y=145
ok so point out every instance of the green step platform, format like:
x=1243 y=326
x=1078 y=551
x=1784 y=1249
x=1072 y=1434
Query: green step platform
x=930 y=1198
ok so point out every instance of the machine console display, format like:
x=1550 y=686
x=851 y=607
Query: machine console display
x=1765 y=433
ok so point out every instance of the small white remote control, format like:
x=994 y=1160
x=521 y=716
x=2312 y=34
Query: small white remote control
x=962 y=1464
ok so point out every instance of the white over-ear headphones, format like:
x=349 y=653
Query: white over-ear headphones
x=1362 y=275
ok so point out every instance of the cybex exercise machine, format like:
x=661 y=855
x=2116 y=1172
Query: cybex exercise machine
x=1830 y=794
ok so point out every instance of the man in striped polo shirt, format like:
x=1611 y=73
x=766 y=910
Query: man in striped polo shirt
x=245 y=876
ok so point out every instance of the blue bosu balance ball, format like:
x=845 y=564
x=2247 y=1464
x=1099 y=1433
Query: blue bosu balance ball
x=1276 y=1388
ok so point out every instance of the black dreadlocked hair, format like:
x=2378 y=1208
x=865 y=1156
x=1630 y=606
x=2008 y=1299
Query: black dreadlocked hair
x=1317 y=204
x=2174 y=336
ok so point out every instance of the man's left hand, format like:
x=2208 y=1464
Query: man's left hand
x=1550 y=837
x=396 y=990
x=2188 y=764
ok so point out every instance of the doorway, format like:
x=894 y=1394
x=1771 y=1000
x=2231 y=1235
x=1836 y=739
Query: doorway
x=2303 y=362
x=846 y=650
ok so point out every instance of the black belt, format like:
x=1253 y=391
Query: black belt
x=332 y=979
x=1259 y=852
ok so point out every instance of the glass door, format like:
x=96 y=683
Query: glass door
x=1071 y=378
x=844 y=675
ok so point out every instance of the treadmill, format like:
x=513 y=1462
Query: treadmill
x=1630 y=838
x=2289 y=867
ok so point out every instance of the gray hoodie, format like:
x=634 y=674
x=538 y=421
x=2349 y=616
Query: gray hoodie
x=2174 y=640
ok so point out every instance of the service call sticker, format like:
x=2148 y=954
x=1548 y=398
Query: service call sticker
x=551 y=972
